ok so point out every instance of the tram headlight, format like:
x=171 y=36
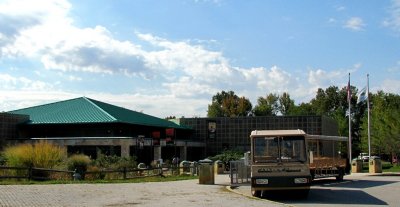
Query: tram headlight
x=262 y=181
x=300 y=180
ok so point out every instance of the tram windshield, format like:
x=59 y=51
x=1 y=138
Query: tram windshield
x=279 y=149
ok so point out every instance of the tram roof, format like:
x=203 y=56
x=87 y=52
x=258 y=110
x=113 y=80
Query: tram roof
x=271 y=133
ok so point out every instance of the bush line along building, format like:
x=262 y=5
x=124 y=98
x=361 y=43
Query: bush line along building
x=84 y=125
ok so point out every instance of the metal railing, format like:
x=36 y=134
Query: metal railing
x=32 y=173
x=239 y=173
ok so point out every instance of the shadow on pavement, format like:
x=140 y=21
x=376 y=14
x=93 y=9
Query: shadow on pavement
x=326 y=196
x=386 y=174
x=360 y=184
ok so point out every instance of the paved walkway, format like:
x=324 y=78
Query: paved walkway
x=356 y=190
x=186 y=193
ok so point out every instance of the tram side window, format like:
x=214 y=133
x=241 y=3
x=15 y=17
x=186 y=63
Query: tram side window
x=312 y=146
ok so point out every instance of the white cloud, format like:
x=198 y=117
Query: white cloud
x=193 y=60
x=332 y=20
x=25 y=18
x=8 y=82
x=395 y=69
x=91 y=50
x=340 y=8
x=156 y=105
x=393 y=21
x=188 y=87
x=18 y=99
x=320 y=78
x=46 y=31
x=62 y=46
x=274 y=79
x=185 y=75
x=188 y=74
x=391 y=86
x=355 y=24
x=74 y=78
x=185 y=69
x=218 y=2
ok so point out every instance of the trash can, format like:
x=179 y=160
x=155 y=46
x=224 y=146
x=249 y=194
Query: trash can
x=157 y=165
x=219 y=167
x=184 y=168
x=193 y=168
x=375 y=165
x=141 y=167
x=356 y=166
x=206 y=172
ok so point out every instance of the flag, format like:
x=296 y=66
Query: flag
x=362 y=95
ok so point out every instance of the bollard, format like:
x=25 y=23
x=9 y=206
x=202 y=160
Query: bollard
x=375 y=165
x=76 y=175
x=356 y=166
x=194 y=168
x=219 y=167
x=184 y=168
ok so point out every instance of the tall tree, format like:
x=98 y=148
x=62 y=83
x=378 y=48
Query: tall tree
x=285 y=103
x=267 y=106
x=333 y=103
x=228 y=104
x=244 y=107
x=385 y=119
x=304 y=109
x=319 y=102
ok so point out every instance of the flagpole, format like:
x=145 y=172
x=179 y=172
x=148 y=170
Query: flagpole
x=369 y=132
x=349 y=101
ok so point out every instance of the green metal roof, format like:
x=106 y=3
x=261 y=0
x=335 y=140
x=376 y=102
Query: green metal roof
x=86 y=110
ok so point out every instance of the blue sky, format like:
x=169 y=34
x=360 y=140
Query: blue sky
x=170 y=57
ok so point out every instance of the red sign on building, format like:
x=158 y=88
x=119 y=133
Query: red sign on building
x=169 y=132
x=169 y=136
x=156 y=137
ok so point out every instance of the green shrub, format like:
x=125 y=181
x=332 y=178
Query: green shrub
x=19 y=155
x=395 y=168
x=105 y=162
x=114 y=162
x=39 y=155
x=95 y=174
x=227 y=156
x=126 y=162
x=386 y=165
x=79 y=163
x=47 y=155
x=2 y=160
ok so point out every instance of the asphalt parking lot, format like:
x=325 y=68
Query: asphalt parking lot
x=355 y=190
x=358 y=189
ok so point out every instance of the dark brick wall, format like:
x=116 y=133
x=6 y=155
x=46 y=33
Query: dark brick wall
x=233 y=133
x=9 y=126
